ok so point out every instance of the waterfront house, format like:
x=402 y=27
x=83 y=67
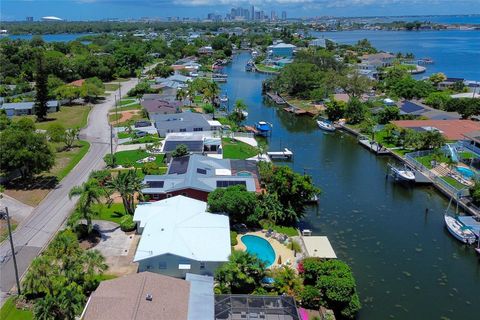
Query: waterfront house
x=153 y=107
x=179 y=236
x=472 y=140
x=451 y=129
x=206 y=50
x=166 y=94
x=243 y=306
x=383 y=59
x=449 y=83
x=184 y=122
x=175 y=81
x=284 y=50
x=27 y=108
x=195 y=176
x=149 y=296
x=206 y=143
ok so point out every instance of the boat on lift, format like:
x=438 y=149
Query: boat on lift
x=403 y=174
x=459 y=230
x=326 y=125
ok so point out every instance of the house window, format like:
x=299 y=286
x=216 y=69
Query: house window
x=162 y=265
x=169 y=195
x=197 y=129
x=184 y=194
x=155 y=196
x=203 y=265
x=183 y=130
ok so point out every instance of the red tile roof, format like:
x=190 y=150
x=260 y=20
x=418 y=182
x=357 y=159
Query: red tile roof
x=77 y=83
x=451 y=129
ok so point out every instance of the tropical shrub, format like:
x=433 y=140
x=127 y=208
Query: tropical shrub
x=127 y=224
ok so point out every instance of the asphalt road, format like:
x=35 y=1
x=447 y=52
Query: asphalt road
x=35 y=232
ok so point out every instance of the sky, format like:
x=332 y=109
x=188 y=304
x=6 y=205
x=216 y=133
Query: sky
x=125 y=9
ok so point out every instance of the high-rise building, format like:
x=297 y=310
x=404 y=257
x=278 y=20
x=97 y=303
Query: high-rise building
x=252 y=12
x=29 y=19
x=284 y=15
x=273 y=15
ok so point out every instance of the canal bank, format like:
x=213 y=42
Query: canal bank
x=403 y=258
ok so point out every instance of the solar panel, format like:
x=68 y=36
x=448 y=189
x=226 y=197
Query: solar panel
x=155 y=184
x=409 y=107
x=179 y=165
x=228 y=183
x=192 y=146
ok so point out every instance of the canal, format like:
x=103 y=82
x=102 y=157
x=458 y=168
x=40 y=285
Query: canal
x=406 y=264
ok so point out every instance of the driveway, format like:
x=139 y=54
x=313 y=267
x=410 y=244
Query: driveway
x=34 y=233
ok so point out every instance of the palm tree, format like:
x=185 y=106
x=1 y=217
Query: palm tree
x=94 y=262
x=128 y=184
x=38 y=279
x=210 y=93
x=90 y=192
x=181 y=95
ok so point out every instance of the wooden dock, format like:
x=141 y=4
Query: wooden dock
x=373 y=146
x=285 y=154
x=295 y=110
x=275 y=98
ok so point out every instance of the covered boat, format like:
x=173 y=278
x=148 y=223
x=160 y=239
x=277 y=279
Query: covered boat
x=263 y=128
x=459 y=231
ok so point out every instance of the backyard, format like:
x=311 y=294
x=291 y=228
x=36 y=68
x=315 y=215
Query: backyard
x=10 y=312
x=130 y=158
x=69 y=117
x=233 y=149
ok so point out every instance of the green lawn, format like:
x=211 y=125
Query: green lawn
x=10 y=312
x=146 y=139
x=454 y=183
x=114 y=213
x=233 y=149
x=426 y=160
x=111 y=86
x=65 y=161
x=382 y=138
x=126 y=101
x=125 y=158
x=4 y=230
x=262 y=67
x=467 y=155
x=289 y=231
x=69 y=117
x=125 y=135
x=135 y=106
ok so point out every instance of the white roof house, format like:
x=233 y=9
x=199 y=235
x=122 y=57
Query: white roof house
x=319 y=247
x=181 y=227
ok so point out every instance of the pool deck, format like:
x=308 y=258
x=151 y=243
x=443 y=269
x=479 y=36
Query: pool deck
x=280 y=249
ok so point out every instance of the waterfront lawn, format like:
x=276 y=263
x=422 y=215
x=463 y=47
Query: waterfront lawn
x=69 y=117
x=113 y=213
x=129 y=158
x=10 y=312
x=382 y=138
x=289 y=231
x=233 y=149
x=265 y=68
x=426 y=160
x=453 y=182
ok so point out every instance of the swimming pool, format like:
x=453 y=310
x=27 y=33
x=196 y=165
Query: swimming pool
x=244 y=174
x=466 y=172
x=260 y=247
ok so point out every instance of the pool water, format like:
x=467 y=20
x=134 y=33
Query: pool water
x=260 y=247
x=466 y=172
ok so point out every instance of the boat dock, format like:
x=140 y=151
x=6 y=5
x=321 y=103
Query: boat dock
x=275 y=98
x=295 y=110
x=285 y=154
x=373 y=146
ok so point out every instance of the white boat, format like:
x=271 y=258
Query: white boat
x=324 y=125
x=224 y=98
x=245 y=114
x=459 y=231
x=403 y=174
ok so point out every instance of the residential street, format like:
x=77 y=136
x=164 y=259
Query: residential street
x=35 y=232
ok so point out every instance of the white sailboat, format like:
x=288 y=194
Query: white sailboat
x=459 y=231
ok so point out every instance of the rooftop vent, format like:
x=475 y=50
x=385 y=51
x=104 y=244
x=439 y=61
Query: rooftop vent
x=149 y=297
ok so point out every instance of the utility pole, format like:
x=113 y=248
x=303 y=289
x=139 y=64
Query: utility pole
x=111 y=141
x=19 y=290
x=116 y=109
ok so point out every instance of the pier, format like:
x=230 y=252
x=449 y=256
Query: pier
x=275 y=98
x=373 y=146
x=285 y=154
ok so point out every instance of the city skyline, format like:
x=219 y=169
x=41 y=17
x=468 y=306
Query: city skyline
x=199 y=9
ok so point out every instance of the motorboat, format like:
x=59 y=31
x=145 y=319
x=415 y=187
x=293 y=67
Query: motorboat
x=245 y=114
x=403 y=174
x=459 y=231
x=263 y=128
x=326 y=125
x=224 y=98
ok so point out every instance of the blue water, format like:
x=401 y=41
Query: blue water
x=466 y=172
x=460 y=19
x=260 y=247
x=455 y=52
x=406 y=264
x=52 y=37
